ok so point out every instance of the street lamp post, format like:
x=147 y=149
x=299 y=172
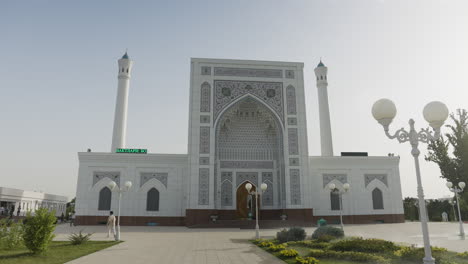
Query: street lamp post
x=452 y=203
x=457 y=190
x=113 y=187
x=435 y=113
x=263 y=187
x=333 y=189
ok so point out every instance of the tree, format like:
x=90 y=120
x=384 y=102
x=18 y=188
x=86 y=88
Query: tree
x=454 y=166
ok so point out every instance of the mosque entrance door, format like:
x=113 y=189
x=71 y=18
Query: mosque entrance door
x=245 y=203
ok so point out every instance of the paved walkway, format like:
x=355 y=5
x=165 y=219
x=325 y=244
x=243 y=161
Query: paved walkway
x=183 y=245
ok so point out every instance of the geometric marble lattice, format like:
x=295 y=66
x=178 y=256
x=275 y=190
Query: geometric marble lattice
x=244 y=72
x=292 y=121
x=205 y=70
x=270 y=93
x=160 y=176
x=113 y=175
x=292 y=139
x=246 y=176
x=293 y=162
x=247 y=164
x=204 y=140
x=370 y=177
x=327 y=178
x=203 y=186
x=289 y=74
x=205 y=97
x=267 y=196
x=291 y=99
x=226 y=188
x=295 y=182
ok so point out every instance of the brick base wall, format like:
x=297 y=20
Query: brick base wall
x=197 y=217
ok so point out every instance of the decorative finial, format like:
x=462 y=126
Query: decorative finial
x=321 y=63
x=125 y=56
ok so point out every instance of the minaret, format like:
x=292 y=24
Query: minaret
x=121 y=105
x=324 y=111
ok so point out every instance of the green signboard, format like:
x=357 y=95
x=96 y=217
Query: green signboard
x=135 y=151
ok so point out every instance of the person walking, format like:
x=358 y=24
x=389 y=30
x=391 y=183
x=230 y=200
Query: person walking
x=111 y=224
x=72 y=218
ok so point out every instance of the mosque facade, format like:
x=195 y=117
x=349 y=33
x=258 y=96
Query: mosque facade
x=247 y=125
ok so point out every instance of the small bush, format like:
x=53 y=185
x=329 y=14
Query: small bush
x=353 y=256
x=10 y=234
x=365 y=245
x=463 y=255
x=325 y=238
x=78 y=239
x=288 y=253
x=275 y=248
x=313 y=244
x=266 y=244
x=415 y=254
x=329 y=231
x=291 y=234
x=306 y=260
x=282 y=236
x=38 y=230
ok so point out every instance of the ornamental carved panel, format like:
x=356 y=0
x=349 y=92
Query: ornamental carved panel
x=293 y=141
x=289 y=74
x=291 y=100
x=271 y=93
x=205 y=97
x=295 y=186
x=204 y=140
x=226 y=188
x=204 y=161
x=292 y=121
x=112 y=175
x=203 y=186
x=327 y=178
x=246 y=176
x=205 y=70
x=246 y=72
x=160 y=176
x=247 y=164
x=368 y=178
x=267 y=196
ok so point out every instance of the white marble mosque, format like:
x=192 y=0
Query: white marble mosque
x=247 y=124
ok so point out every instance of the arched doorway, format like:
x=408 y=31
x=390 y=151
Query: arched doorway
x=245 y=202
x=249 y=147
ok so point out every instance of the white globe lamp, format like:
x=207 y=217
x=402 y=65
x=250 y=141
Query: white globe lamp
x=435 y=114
x=384 y=111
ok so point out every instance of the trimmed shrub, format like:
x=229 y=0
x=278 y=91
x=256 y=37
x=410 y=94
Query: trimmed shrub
x=282 y=236
x=313 y=244
x=416 y=254
x=325 y=238
x=288 y=253
x=364 y=245
x=329 y=231
x=266 y=244
x=78 y=239
x=38 y=230
x=10 y=234
x=353 y=256
x=292 y=234
x=463 y=255
x=275 y=248
x=306 y=260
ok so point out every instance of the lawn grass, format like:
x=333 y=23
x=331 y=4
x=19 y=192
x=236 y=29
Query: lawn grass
x=59 y=252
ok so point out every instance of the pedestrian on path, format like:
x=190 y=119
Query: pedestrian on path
x=72 y=218
x=111 y=224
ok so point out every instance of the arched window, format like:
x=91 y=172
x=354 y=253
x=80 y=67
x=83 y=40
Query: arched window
x=335 y=200
x=105 y=197
x=377 y=199
x=152 y=200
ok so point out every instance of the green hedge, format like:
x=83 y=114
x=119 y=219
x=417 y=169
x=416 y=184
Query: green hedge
x=353 y=256
x=327 y=231
x=365 y=245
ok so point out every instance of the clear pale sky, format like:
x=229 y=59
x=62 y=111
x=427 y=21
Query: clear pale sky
x=58 y=73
